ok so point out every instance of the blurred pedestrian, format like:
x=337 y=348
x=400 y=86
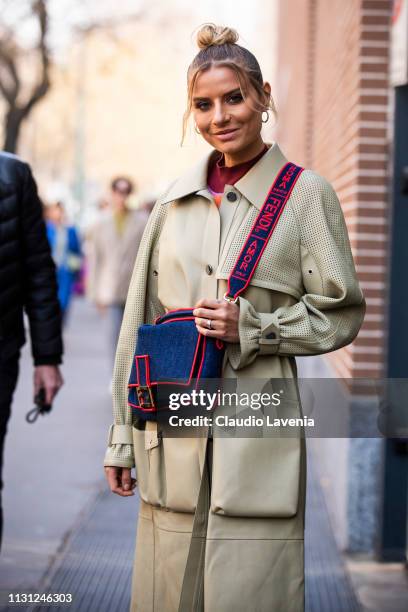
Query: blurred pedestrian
x=66 y=252
x=27 y=282
x=113 y=245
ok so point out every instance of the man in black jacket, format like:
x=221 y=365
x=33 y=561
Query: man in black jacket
x=27 y=281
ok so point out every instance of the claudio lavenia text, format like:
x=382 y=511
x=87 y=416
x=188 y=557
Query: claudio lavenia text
x=248 y=421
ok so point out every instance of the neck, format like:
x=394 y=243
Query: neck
x=249 y=152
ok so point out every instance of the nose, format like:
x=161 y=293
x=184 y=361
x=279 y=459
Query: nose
x=220 y=116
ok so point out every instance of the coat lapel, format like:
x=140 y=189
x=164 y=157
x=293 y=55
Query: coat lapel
x=256 y=183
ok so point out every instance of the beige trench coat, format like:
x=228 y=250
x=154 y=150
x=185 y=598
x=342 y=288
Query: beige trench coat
x=304 y=299
x=112 y=255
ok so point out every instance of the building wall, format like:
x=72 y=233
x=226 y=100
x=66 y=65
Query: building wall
x=333 y=99
x=332 y=94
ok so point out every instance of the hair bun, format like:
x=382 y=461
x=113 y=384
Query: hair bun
x=211 y=34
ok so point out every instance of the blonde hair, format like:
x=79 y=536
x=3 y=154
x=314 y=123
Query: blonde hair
x=218 y=46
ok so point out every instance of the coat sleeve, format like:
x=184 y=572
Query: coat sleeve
x=330 y=313
x=140 y=308
x=40 y=284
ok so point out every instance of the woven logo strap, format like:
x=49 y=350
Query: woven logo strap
x=262 y=230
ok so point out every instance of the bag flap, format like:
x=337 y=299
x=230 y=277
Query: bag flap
x=172 y=349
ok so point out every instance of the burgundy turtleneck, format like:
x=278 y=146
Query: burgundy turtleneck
x=220 y=175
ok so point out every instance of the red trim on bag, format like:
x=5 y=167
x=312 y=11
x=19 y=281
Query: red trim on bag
x=178 y=319
x=153 y=409
x=175 y=310
x=147 y=368
x=137 y=372
x=204 y=343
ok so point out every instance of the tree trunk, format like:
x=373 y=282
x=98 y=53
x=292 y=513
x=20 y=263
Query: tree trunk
x=13 y=122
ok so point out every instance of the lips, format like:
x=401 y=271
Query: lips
x=226 y=135
x=225 y=132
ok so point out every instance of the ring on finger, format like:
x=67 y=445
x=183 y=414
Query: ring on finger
x=209 y=325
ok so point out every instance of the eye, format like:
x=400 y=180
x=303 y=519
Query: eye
x=235 y=98
x=202 y=105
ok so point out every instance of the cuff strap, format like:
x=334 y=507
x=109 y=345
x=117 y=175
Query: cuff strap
x=270 y=337
x=120 y=434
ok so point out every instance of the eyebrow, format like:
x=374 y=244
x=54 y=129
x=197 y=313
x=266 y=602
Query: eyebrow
x=229 y=93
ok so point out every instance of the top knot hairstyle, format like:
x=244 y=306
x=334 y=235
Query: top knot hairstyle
x=210 y=34
x=218 y=46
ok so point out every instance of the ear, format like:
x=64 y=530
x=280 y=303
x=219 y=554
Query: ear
x=267 y=89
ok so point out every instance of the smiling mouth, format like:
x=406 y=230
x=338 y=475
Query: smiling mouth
x=224 y=132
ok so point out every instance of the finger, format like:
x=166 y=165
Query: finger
x=60 y=381
x=210 y=333
x=56 y=387
x=208 y=303
x=50 y=392
x=37 y=384
x=204 y=323
x=112 y=477
x=126 y=479
x=206 y=313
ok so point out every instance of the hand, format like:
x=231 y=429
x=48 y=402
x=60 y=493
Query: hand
x=120 y=480
x=224 y=317
x=47 y=377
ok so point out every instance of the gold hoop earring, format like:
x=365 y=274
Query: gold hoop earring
x=197 y=131
x=267 y=116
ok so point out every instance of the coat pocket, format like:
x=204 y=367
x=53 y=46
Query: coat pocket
x=256 y=477
x=168 y=470
x=183 y=458
x=148 y=451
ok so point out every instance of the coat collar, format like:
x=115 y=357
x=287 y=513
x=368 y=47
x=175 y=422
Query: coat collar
x=254 y=185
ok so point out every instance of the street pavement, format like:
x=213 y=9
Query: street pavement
x=53 y=468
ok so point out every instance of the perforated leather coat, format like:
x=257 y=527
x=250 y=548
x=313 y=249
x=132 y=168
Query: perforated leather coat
x=304 y=299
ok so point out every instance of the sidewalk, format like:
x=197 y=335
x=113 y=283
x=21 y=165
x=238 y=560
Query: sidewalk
x=58 y=509
x=53 y=468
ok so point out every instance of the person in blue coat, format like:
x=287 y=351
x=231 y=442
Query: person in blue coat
x=66 y=252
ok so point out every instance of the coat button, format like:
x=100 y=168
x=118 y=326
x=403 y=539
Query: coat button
x=155 y=272
x=209 y=269
x=271 y=336
x=231 y=196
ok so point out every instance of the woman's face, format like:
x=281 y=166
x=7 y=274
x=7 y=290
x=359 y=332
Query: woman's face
x=225 y=120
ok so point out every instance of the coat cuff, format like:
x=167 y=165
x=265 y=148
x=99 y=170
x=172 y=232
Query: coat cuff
x=48 y=360
x=258 y=335
x=120 y=447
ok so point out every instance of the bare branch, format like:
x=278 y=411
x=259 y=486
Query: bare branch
x=8 y=59
x=9 y=56
x=39 y=8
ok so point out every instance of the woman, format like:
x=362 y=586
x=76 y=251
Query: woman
x=304 y=299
